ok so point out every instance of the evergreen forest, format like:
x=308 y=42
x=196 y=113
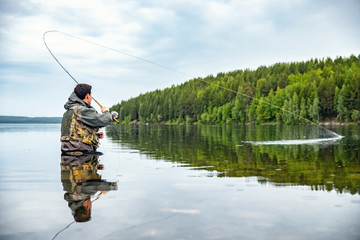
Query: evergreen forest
x=318 y=90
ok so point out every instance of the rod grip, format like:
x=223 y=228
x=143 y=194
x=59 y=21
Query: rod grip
x=98 y=103
x=102 y=106
x=116 y=120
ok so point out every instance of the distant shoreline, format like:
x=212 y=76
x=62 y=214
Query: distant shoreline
x=22 y=119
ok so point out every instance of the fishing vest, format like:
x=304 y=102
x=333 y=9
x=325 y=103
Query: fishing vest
x=75 y=131
x=81 y=173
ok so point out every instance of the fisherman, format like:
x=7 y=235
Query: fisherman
x=81 y=122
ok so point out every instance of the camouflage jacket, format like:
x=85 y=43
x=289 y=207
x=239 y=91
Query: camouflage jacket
x=80 y=124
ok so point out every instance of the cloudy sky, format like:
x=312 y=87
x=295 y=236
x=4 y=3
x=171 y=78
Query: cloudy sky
x=196 y=38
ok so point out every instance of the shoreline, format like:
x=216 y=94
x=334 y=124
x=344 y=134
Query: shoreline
x=325 y=123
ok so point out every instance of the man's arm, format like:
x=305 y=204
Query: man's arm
x=91 y=117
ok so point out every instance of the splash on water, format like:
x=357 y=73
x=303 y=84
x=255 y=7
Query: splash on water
x=335 y=137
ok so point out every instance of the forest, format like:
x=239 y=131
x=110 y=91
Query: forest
x=318 y=90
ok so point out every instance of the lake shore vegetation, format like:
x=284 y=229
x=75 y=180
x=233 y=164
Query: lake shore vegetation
x=318 y=90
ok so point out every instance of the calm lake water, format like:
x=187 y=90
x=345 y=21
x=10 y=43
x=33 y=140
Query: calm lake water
x=181 y=182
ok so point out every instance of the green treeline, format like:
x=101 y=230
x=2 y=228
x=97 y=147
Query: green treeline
x=289 y=93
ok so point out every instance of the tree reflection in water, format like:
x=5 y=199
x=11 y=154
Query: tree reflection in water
x=223 y=150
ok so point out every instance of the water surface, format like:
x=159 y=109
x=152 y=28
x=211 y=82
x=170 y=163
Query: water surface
x=181 y=182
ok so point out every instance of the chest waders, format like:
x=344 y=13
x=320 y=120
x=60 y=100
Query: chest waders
x=73 y=130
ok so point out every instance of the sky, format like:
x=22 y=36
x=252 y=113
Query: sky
x=190 y=38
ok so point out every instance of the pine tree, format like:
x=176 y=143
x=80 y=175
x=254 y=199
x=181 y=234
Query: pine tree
x=315 y=109
x=303 y=110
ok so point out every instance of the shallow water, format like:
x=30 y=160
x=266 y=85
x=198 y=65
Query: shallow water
x=181 y=182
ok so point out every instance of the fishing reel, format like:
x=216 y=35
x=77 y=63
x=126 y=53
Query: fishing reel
x=115 y=116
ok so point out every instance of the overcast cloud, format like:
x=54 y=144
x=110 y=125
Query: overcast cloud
x=194 y=37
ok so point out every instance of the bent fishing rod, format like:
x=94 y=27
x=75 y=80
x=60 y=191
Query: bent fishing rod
x=67 y=70
x=179 y=72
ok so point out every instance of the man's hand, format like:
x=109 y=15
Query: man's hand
x=100 y=134
x=104 y=108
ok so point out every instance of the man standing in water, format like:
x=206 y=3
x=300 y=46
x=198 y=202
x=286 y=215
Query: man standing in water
x=81 y=122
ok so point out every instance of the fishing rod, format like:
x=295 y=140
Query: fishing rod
x=67 y=70
x=182 y=73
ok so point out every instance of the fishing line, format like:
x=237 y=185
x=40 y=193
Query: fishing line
x=62 y=65
x=57 y=234
x=112 y=49
x=67 y=226
x=182 y=73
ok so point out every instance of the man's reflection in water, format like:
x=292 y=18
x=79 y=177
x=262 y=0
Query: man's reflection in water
x=81 y=181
